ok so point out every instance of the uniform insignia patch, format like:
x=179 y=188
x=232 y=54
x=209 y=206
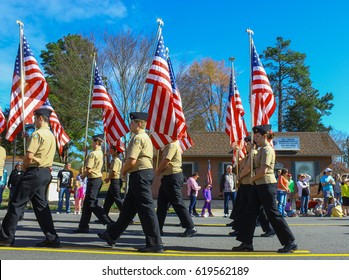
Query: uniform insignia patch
x=136 y=142
x=35 y=136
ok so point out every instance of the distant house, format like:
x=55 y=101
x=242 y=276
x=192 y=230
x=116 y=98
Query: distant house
x=309 y=152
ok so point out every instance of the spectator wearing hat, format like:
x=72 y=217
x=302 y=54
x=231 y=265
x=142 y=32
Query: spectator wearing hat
x=93 y=171
x=170 y=191
x=37 y=163
x=264 y=193
x=327 y=182
x=114 y=177
x=139 y=199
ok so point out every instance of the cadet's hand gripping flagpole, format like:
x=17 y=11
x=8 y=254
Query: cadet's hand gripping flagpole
x=22 y=73
x=250 y=33
x=89 y=104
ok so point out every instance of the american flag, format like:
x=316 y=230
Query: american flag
x=35 y=91
x=160 y=140
x=61 y=136
x=114 y=125
x=177 y=103
x=262 y=100
x=2 y=121
x=235 y=123
x=209 y=175
x=162 y=116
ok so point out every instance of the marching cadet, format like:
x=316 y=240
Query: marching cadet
x=93 y=172
x=113 y=194
x=170 y=191
x=139 y=164
x=264 y=193
x=37 y=163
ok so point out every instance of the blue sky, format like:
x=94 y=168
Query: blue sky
x=194 y=30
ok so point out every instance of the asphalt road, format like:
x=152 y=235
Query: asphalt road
x=317 y=238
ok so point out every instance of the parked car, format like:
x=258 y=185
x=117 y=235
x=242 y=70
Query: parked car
x=311 y=204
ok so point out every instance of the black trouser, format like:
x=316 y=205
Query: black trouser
x=240 y=205
x=263 y=219
x=32 y=188
x=264 y=195
x=170 y=192
x=113 y=195
x=139 y=200
x=91 y=204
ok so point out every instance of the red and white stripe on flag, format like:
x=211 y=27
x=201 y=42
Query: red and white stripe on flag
x=235 y=124
x=2 y=121
x=162 y=117
x=58 y=131
x=114 y=125
x=262 y=100
x=35 y=91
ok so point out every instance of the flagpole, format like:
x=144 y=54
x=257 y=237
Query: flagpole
x=21 y=26
x=250 y=33
x=89 y=104
x=158 y=34
x=232 y=59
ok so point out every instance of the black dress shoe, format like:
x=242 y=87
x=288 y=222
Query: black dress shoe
x=243 y=248
x=270 y=233
x=97 y=222
x=189 y=232
x=234 y=233
x=152 y=249
x=6 y=242
x=55 y=243
x=106 y=237
x=81 y=230
x=289 y=248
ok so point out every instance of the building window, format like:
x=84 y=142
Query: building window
x=307 y=167
x=188 y=170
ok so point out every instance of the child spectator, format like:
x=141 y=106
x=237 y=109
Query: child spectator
x=289 y=211
x=318 y=209
x=79 y=196
x=206 y=192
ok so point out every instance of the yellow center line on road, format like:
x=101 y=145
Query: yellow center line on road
x=179 y=254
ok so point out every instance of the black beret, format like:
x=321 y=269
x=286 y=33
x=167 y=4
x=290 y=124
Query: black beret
x=98 y=137
x=139 y=116
x=248 y=138
x=42 y=112
x=262 y=129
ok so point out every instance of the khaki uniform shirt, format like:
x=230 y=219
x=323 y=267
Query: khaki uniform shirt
x=115 y=168
x=265 y=157
x=246 y=160
x=95 y=163
x=172 y=153
x=141 y=149
x=2 y=160
x=42 y=144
